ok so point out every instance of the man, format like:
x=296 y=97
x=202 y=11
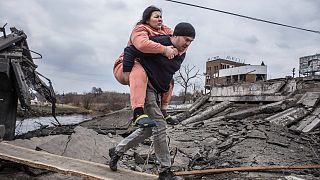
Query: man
x=160 y=71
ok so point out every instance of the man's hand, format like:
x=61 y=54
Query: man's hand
x=170 y=52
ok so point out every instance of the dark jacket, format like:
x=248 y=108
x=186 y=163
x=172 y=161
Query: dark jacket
x=159 y=69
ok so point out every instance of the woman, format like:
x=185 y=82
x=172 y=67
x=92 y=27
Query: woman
x=151 y=24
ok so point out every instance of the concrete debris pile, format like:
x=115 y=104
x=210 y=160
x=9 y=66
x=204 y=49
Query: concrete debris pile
x=231 y=141
x=298 y=114
x=212 y=134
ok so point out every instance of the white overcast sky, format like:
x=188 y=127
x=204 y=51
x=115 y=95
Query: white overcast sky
x=80 y=39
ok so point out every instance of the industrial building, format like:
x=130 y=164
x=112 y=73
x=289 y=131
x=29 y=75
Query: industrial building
x=310 y=65
x=221 y=72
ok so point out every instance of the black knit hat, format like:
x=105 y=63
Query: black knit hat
x=184 y=29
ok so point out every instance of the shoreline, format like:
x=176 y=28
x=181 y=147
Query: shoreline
x=46 y=110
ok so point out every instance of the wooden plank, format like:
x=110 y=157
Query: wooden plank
x=66 y=165
x=247 y=169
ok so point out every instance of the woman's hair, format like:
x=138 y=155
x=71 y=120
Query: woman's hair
x=147 y=14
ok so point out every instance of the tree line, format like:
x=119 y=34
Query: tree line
x=96 y=100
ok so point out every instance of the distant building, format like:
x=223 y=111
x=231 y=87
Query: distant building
x=310 y=65
x=220 y=72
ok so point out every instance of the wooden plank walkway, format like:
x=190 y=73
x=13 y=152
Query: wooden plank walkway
x=65 y=165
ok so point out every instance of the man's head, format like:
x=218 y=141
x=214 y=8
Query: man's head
x=183 y=34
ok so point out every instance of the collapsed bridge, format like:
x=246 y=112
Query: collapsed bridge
x=18 y=77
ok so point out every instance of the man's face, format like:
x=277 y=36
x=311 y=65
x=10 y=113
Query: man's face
x=183 y=42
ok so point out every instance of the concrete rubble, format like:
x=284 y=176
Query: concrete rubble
x=212 y=134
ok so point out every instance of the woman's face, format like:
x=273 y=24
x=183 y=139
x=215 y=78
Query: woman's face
x=155 y=20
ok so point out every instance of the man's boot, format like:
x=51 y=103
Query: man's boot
x=168 y=118
x=168 y=175
x=171 y=121
x=114 y=159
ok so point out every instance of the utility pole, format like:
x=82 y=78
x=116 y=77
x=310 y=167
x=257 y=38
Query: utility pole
x=293 y=72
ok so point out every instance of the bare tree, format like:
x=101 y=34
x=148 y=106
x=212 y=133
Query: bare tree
x=96 y=91
x=196 y=90
x=87 y=100
x=184 y=76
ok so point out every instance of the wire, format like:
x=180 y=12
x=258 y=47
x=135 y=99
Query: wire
x=243 y=16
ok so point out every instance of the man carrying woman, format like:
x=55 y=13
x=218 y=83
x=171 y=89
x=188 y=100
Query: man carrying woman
x=160 y=70
x=150 y=25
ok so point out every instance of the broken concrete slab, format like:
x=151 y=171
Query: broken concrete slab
x=112 y=122
x=84 y=144
x=277 y=138
x=181 y=161
x=262 y=98
x=198 y=103
x=214 y=120
x=94 y=147
x=249 y=89
x=190 y=152
x=272 y=107
x=256 y=134
x=313 y=125
x=56 y=145
x=310 y=120
x=288 y=116
x=309 y=99
x=209 y=112
x=34 y=142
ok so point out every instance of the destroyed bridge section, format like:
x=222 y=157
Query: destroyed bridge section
x=18 y=77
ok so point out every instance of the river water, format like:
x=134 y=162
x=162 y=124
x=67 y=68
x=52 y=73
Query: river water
x=30 y=124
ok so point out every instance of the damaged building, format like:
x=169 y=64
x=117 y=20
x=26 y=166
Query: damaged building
x=309 y=65
x=229 y=70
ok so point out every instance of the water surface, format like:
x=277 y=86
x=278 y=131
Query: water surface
x=30 y=124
